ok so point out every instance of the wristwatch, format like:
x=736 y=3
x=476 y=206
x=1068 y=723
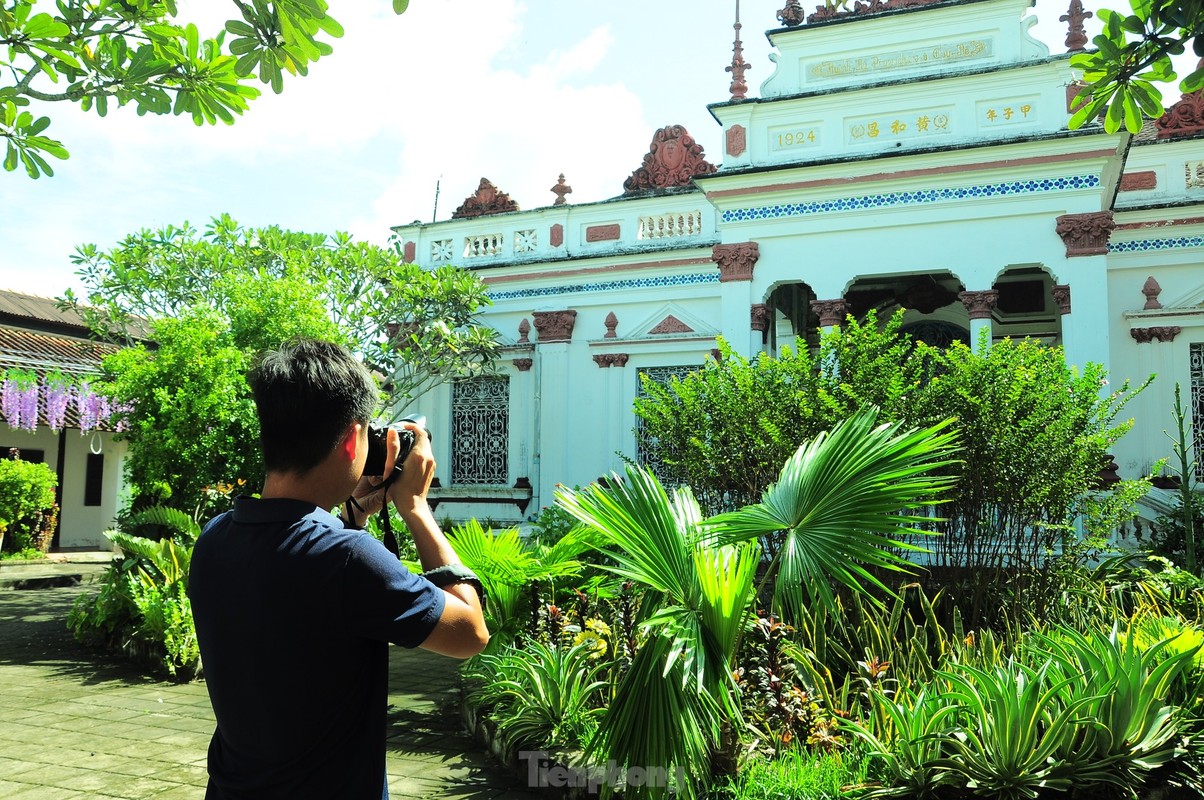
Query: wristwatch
x=448 y=574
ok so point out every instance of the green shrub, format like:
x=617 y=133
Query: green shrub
x=142 y=609
x=1033 y=431
x=27 y=505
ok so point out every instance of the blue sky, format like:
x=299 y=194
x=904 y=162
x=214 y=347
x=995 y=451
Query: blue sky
x=451 y=91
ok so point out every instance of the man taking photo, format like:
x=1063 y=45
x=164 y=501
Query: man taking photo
x=295 y=607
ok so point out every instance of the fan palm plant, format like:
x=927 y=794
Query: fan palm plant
x=839 y=499
x=845 y=501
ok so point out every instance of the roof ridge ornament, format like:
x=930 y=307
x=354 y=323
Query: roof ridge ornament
x=1185 y=117
x=673 y=159
x=829 y=9
x=792 y=14
x=486 y=200
x=1076 y=34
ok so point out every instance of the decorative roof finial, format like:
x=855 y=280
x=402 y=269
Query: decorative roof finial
x=1076 y=36
x=560 y=190
x=792 y=15
x=739 y=88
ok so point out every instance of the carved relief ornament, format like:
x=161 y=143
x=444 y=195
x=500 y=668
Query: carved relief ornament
x=979 y=304
x=523 y=364
x=555 y=326
x=486 y=200
x=736 y=261
x=737 y=140
x=859 y=8
x=1163 y=333
x=605 y=360
x=1183 y=118
x=831 y=313
x=1086 y=234
x=760 y=316
x=1061 y=297
x=673 y=159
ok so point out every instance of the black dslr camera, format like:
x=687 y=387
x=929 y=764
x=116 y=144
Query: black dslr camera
x=378 y=445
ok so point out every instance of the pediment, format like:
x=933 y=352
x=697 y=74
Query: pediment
x=667 y=321
x=1193 y=299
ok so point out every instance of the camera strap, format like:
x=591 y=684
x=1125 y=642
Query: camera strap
x=386 y=524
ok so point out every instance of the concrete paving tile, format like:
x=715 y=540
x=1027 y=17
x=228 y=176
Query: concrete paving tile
x=11 y=766
x=183 y=773
x=182 y=793
x=53 y=775
x=28 y=792
x=75 y=725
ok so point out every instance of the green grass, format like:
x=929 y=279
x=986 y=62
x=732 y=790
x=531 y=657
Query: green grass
x=799 y=775
x=27 y=554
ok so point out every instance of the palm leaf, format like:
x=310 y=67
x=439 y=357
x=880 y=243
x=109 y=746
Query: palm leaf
x=842 y=500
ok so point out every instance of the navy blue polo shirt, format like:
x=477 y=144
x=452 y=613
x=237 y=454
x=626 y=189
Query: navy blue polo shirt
x=294 y=614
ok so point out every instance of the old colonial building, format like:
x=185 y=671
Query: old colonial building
x=905 y=154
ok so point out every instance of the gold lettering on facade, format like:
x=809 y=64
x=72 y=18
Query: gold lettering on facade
x=900 y=59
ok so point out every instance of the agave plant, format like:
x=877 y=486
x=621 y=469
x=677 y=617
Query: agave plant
x=1128 y=726
x=1016 y=721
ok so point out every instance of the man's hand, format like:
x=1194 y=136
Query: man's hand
x=368 y=497
x=409 y=491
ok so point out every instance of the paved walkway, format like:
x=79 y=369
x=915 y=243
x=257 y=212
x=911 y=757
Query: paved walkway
x=74 y=726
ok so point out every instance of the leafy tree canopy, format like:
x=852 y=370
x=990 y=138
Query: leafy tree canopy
x=416 y=328
x=1133 y=53
x=96 y=53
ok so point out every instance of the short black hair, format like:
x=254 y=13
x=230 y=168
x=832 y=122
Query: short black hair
x=307 y=392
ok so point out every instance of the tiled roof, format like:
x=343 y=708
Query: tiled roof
x=27 y=310
x=44 y=352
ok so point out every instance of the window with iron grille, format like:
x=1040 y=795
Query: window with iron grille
x=648 y=453
x=1197 y=405
x=480 y=431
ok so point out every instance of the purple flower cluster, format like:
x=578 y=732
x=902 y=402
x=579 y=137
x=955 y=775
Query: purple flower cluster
x=91 y=407
x=19 y=401
x=29 y=406
x=10 y=402
x=22 y=397
x=57 y=395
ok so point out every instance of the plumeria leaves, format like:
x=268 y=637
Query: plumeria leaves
x=1132 y=52
x=138 y=53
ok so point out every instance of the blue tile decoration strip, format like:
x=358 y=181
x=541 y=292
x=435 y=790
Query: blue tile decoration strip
x=1144 y=245
x=602 y=286
x=918 y=197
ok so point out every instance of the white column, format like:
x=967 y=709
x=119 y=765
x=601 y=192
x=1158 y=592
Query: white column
x=736 y=263
x=1085 y=320
x=980 y=305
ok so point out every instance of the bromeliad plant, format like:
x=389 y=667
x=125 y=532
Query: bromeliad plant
x=844 y=502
